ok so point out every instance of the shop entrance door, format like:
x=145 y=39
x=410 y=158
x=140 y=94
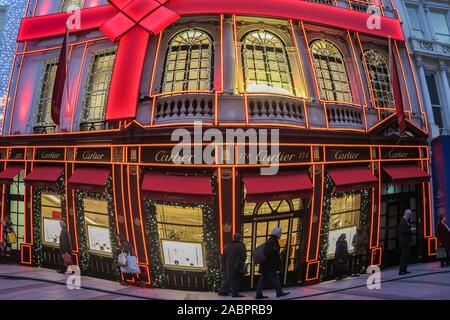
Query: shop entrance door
x=394 y=203
x=16 y=212
x=257 y=229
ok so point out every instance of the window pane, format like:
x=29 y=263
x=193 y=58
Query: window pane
x=51 y=215
x=415 y=22
x=189 y=63
x=65 y=4
x=432 y=89
x=331 y=72
x=97 y=226
x=440 y=25
x=379 y=76
x=264 y=55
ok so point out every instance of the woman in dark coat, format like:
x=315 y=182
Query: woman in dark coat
x=65 y=245
x=126 y=247
x=341 y=257
x=443 y=235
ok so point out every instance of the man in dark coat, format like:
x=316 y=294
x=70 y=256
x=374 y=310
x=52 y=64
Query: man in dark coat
x=271 y=265
x=405 y=240
x=233 y=267
x=341 y=257
x=65 y=245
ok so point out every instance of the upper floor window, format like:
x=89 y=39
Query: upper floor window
x=331 y=73
x=435 y=100
x=440 y=23
x=416 y=26
x=66 y=4
x=43 y=121
x=266 y=64
x=189 y=62
x=97 y=87
x=380 y=79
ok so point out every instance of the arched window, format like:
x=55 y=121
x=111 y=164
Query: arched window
x=330 y=71
x=189 y=62
x=380 y=79
x=266 y=64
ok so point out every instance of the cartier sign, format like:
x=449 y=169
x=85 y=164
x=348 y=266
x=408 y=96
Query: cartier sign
x=399 y=153
x=94 y=155
x=49 y=154
x=347 y=154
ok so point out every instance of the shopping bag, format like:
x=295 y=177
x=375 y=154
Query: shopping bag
x=11 y=238
x=67 y=258
x=258 y=254
x=441 y=254
x=132 y=266
x=122 y=259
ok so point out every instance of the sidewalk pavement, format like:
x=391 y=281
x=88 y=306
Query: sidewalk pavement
x=427 y=281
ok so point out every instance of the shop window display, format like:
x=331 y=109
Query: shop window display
x=181 y=236
x=344 y=218
x=51 y=216
x=97 y=226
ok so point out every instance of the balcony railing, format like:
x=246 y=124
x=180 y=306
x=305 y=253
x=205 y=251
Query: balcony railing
x=356 y=5
x=92 y=125
x=43 y=129
x=267 y=108
x=184 y=108
x=341 y=116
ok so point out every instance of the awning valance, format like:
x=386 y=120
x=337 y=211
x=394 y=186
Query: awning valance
x=406 y=174
x=7 y=176
x=283 y=186
x=43 y=176
x=350 y=179
x=89 y=179
x=190 y=189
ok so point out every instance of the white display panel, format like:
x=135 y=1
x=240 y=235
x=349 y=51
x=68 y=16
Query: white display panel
x=334 y=236
x=99 y=240
x=183 y=254
x=52 y=230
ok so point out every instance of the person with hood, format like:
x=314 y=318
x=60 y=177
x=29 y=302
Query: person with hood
x=65 y=246
x=360 y=243
x=233 y=267
x=8 y=227
x=405 y=240
x=443 y=235
x=271 y=266
x=341 y=256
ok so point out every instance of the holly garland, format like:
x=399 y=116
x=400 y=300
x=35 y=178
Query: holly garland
x=326 y=217
x=84 y=255
x=210 y=239
x=37 y=215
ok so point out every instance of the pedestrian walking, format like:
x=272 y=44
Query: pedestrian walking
x=233 y=265
x=128 y=263
x=341 y=257
x=65 y=248
x=405 y=240
x=9 y=237
x=443 y=235
x=360 y=243
x=271 y=265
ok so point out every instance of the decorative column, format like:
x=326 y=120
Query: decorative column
x=446 y=93
x=229 y=56
x=434 y=131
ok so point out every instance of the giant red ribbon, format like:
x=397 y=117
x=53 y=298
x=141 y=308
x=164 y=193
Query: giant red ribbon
x=131 y=22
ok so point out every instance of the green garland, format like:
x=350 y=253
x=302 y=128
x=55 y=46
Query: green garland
x=325 y=229
x=210 y=238
x=37 y=215
x=83 y=249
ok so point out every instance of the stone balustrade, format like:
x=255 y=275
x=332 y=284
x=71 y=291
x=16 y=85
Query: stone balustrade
x=273 y=108
x=185 y=107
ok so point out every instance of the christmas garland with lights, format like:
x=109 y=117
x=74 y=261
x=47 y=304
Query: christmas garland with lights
x=326 y=217
x=210 y=238
x=84 y=255
x=37 y=215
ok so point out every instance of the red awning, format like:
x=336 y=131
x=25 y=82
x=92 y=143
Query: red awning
x=7 y=175
x=190 y=189
x=349 y=179
x=89 y=179
x=406 y=174
x=43 y=176
x=286 y=185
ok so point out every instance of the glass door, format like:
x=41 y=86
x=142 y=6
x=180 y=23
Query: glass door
x=259 y=220
x=16 y=211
